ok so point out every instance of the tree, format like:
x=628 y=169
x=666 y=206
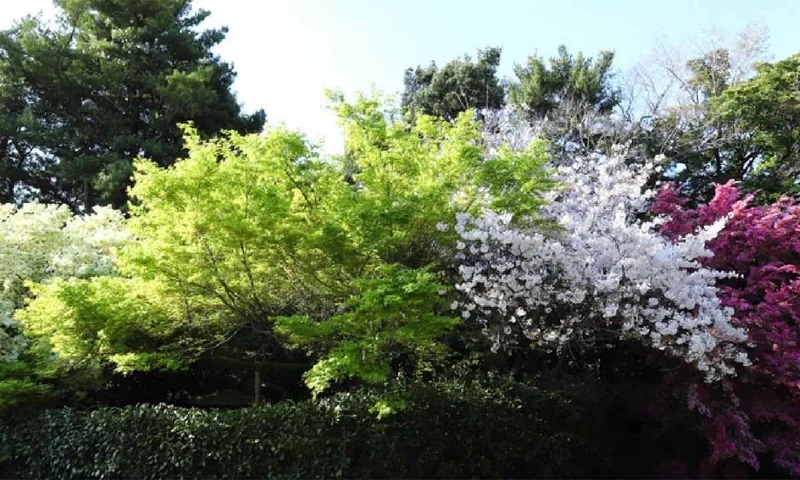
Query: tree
x=766 y=109
x=709 y=147
x=605 y=276
x=412 y=180
x=253 y=239
x=571 y=103
x=538 y=89
x=41 y=244
x=108 y=83
x=673 y=106
x=458 y=86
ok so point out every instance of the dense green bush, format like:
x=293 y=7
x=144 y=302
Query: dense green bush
x=447 y=429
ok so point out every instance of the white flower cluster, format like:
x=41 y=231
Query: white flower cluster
x=506 y=127
x=39 y=242
x=605 y=272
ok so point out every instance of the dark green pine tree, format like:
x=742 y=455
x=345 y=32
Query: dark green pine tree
x=540 y=88
x=458 y=86
x=108 y=82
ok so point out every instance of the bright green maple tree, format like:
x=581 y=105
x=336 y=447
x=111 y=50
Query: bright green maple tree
x=346 y=258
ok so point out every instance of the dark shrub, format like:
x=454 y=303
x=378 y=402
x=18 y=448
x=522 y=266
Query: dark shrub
x=489 y=428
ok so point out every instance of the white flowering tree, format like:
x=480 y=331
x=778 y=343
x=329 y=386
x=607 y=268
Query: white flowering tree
x=40 y=242
x=603 y=273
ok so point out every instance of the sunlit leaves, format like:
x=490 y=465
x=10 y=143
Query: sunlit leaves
x=40 y=242
x=395 y=311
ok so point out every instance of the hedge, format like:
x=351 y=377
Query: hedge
x=448 y=429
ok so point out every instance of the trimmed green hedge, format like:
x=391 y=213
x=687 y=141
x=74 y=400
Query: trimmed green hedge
x=448 y=429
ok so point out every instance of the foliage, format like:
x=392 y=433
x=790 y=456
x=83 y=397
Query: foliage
x=106 y=84
x=174 y=296
x=767 y=108
x=39 y=244
x=26 y=379
x=573 y=104
x=346 y=256
x=683 y=117
x=538 y=89
x=516 y=178
x=453 y=226
x=708 y=146
x=761 y=245
x=457 y=87
x=87 y=323
x=394 y=311
x=451 y=428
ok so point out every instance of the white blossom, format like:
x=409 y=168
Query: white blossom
x=605 y=270
x=39 y=242
x=507 y=128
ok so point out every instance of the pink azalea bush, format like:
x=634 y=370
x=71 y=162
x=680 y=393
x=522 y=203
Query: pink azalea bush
x=759 y=409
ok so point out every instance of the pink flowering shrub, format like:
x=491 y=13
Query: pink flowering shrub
x=759 y=410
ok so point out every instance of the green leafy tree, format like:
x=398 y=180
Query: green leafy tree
x=107 y=83
x=393 y=313
x=680 y=95
x=540 y=88
x=766 y=109
x=221 y=248
x=711 y=74
x=92 y=322
x=17 y=127
x=412 y=182
x=704 y=147
x=458 y=86
x=252 y=246
x=40 y=244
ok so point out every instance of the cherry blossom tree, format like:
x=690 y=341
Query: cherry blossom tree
x=601 y=271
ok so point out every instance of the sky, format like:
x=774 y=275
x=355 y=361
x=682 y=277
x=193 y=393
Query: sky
x=287 y=52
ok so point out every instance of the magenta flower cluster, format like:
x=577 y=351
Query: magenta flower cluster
x=759 y=409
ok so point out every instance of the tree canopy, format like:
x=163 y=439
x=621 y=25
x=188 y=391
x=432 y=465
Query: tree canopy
x=766 y=109
x=460 y=85
x=256 y=234
x=540 y=88
x=107 y=83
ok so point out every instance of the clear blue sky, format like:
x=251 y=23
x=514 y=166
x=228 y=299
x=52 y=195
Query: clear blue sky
x=287 y=51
